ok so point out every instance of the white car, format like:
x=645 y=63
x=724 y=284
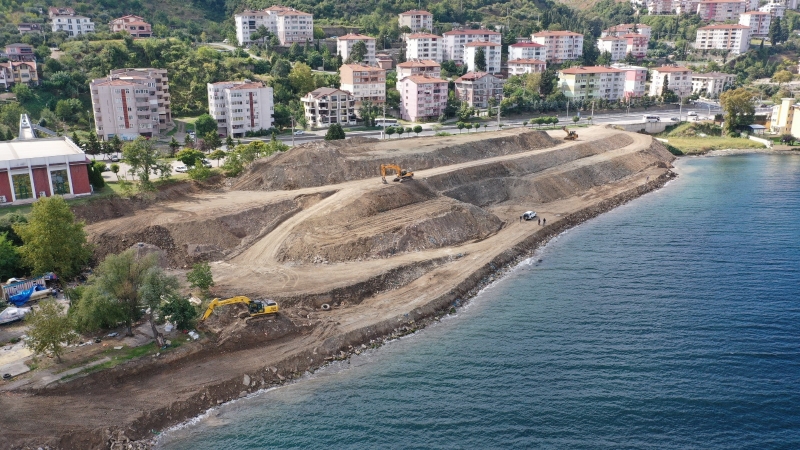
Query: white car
x=181 y=169
x=529 y=215
x=299 y=132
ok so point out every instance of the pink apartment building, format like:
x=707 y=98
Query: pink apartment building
x=422 y=97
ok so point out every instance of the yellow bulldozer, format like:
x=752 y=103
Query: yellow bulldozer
x=571 y=135
x=402 y=175
x=255 y=307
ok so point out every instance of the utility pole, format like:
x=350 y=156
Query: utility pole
x=567 y=108
x=498 y=117
x=292 y=131
x=383 y=132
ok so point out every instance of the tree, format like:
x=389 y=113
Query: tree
x=486 y=125
x=228 y=144
x=575 y=119
x=180 y=312
x=96 y=169
x=75 y=137
x=400 y=131
x=390 y=131
x=142 y=156
x=92 y=145
x=604 y=59
x=52 y=240
x=775 y=32
x=335 y=132
x=22 y=92
x=205 y=124
x=174 y=145
x=301 y=79
x=200 y=277
x=480 y=59
x=157 y=287
x=368 y=112
x=358 y=52
x=788 y=139
x=188 y=141
x=417 y=129
x=212 y=140
x=738 y=107
x=115 y=170
x=49 y=329
x=220 y=154
x=782 y=76
x=460 y=126
x=190 y=157
x=468 y=126
x=9 y=258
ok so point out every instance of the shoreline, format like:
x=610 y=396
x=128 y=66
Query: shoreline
x=376 y=335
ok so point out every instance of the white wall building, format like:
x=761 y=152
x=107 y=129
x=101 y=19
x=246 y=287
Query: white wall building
x=240 y=106
x=626 y=28
x=326 y=106
x=364 y=82
x=521 y=66
x=288 y=24
x=527 y=50
x=635 y=78
x=758 y=21
x=424 y=46
x=590 y=83
x=417 y=20
x=614 y=45
x=65 y=19
x=776 y=10
x=344 y=47
x=733 y=37
x=491 y=51
x=560 y=46
x=711 y=84
x=678 y=79
x=720 y=10
x=455 y=40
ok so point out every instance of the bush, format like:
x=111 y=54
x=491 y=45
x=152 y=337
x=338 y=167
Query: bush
x=199 y=172
x=96 y=174
x=180 y=312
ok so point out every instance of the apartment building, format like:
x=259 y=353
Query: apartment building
x=635 y=78
x=422 y=97
x=16 y=72
x=758 y=21
x=720 y=10
x=131 y=102
x=636 y=45
x=417 y=20
x=455 y=40
x=775 y=10
x=616 y=46
x=325 y=106
x=527 y=50
x=491 y=51
x=733 y=37
x=656 y=7
x=344 y=47
x=364 y=82
x=711 y=84
x=25 y=28
x=288 y=24
x=65 y=19
x=240 y=106
x=591 y=83
x=560 y=46
x=426 y=67
x=686 y=6
x=627 y=28
x=521 y=66
x=476 y=88
x=133 y=25
x=784 y=118
x=678 y=79
x=20 y=52
x=424 y=46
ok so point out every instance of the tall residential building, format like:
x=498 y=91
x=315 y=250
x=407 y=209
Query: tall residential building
x=18 y=72
x=20 y=52
x=491 y=53
x=455 y=40
x=133 y=25
x=626 y=28
x=590 y=83
x=675 y=78
x=776 y=10
x=476 y=88
x=733 y=37
x=614 y=45
x=364 y=82
x=711 y=84
x=422 y=98
x=527 y=50
x=131 y=103
x=344 y=47
x=720 y=10
x=65 y=19
x=424 y=46
x=657 y=7
x=240 y=106
x=326 y=106
x=758 y=21
x=560 y=45
x=635 y=77
x=783 y=118
x=288 y=24
x=521 y=66
x=416 y=20
x=427 y=67
x=636 y=45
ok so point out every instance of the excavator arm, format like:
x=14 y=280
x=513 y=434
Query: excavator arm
x=228 y=301
x=401 y=174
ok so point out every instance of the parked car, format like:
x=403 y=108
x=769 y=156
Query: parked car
x=299 y=132
x=115 y=158
x=181 y=169
x=529 y=215
x=205 y=163
x=692 y=114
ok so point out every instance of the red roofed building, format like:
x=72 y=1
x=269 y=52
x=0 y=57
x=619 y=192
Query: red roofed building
x=344 y=47
x=476 y=88
x=416 y=20
x=594 y=82
x=678 y=79
x=133 y=25
x=130 y=103
x=560 y=46
x=424 y=46
x=521 y=66
x=427 y=67
x=15 y=72
x=455 y=40
x=619 y=30
x=422 y=97
x=527 y=50
x=491 y=52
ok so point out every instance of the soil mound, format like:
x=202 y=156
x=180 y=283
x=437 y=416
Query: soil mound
x=234 y=329
x=331 y=162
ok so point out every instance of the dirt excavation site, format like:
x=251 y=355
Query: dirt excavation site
x=350 y=260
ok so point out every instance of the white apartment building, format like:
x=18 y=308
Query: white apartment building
x=616 y=46
x=325 y=106
x=590 y=83
x=455 y=40
x=676 y=78
x=560 y=46
x=65 y=19
x=344 y=47
x=656 y=7
x=521 y=66
x=734 y=37
x=476 y=88
x=416 y=20
x=626 y=28
x=635 y=78
x=711 y=84
x=426 y=67
x=130 y=103
x=758 y=21
x=288 y=24
x=240 y=106
x=720 y=10
x=776 y=10
x=686 y=6
x=364 y=82
x=527 y=50
x=491 y=51
x=424 y=46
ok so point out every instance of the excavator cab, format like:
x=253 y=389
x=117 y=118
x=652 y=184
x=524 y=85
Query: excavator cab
x=260 y=307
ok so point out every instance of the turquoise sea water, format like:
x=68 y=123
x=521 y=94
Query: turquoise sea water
x=670 y=322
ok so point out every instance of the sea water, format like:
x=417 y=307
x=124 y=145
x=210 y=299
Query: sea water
x=670 y=322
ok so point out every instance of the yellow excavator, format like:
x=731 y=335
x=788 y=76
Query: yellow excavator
x=255 y=307
x=571 y=135
x=402 y=175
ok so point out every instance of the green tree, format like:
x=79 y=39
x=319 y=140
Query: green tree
x=142 y=156
x=782 y=76
x=233 y=165
x=188 y=142
x=155 y=289
x=115 y=170
x=212 y=140
x=390 y=131
x=52 y=240
x=400 y=131
x=738 y=107
x=468 y=126
x=174 y=145
x=200 y=277
x=49 y=329
x=480 y=59
x=180 y=312
x=417 y=129
x=775 y=32
x=76 y=139
x=604 y=59
x=301 y=79
x=92 y=144
x=575 y=119
x=190 y=157
x=460 y=126
x=335 y=132
x=220 y=154
x=228 y=144
x=358 y=52
x=96 y=169
x=9 y=258
x=22 y=92
x=368 y=112
x=205 y=124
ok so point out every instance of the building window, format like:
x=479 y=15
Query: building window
x=22 y=186
x=60 y=182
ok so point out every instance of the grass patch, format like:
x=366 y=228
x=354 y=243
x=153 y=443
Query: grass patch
x=110 y=190
x=697 y=145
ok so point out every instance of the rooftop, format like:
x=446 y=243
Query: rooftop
x=250 y=85
x=422 y=36
x=472 y=76
x=626 y=27
x=355 y=37
x=722 y=1
x=590 y=69
x=416 y=12
x=363 y=68
x=471 y=32
x=756 y=13
x=38 y=148
x=419 y=63
x=324 y=91
x=481 y=44
x=712 y=75
x=725 y=26
x=421 y=79
x=526 y=44
x=526 y=61
x=556 y=33
x=672 y=69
